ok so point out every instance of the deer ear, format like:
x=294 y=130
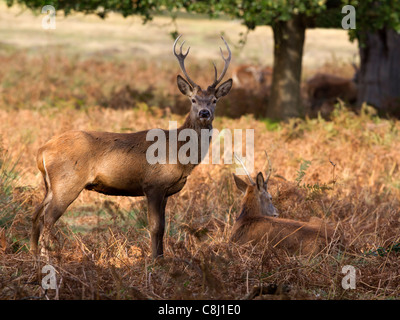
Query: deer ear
x=184 y=86
x=240 y=184
x=223 y=89
x=260 y=181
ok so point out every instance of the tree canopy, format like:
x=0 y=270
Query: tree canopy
x=371 y=15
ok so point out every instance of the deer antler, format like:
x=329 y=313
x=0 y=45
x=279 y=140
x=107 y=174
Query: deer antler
x=227 y=62
x=269 y=168
x=245 y=169
x=181 y=59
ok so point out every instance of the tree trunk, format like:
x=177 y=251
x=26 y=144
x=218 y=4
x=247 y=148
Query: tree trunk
x=379 y=77
x=285 y=99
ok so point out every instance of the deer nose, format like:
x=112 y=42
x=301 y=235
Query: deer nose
x=204 y=113
x=273 y=211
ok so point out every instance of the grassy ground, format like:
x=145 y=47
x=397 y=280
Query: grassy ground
x=105 y=240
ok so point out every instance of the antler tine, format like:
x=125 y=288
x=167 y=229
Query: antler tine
x=269 y=168
x=227 y=62
x=245 y=169
x=215 y=72
x=181 y=59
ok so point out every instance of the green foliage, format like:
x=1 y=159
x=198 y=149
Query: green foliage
x=312 y=189
x=252 y=13
x=271 y=125
x=144 y=8
x=302 y=172
x=382 y=251
x=373 y=15
x=8 y=175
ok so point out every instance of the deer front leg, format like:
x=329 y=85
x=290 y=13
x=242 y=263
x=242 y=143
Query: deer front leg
x=156 y=217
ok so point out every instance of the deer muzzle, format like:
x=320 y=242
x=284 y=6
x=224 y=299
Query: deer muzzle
x=204 y=114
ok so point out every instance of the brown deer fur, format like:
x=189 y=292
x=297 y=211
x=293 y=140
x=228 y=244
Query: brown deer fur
x=294 y=236
x=326 y=88
x=251 y=76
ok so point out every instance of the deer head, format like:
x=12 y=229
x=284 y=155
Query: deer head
x=203 y=101
x=257 y=192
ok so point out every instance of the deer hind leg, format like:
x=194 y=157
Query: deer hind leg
x=37 y=218
x=37 y=224
x=63 y=186
x=59 y=197
x=51 y=213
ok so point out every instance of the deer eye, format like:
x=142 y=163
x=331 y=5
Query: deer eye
x=215 y=101
x=193 y=101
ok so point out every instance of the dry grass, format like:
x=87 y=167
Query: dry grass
x=104 y=241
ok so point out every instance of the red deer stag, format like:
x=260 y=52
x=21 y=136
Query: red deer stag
x=116 y=163
x=256 y=222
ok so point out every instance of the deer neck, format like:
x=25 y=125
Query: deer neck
x=250 y=207
x=192 y=124
x=200 y=136
x=199 y=129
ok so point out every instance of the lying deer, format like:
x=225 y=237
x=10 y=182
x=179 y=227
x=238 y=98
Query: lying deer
x=116 y=163
x=324 y=89
x=251 y=76
x=257 y=222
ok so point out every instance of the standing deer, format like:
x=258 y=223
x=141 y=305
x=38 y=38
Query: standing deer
x=116 y=164
x=257 y=222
